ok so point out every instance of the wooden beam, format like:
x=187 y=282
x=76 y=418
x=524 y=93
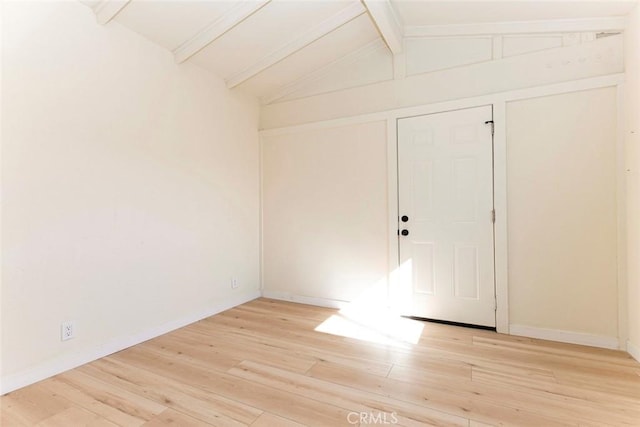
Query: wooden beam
x=522 y=27
x=323 y=28
x=226 y=22
x=387 y=22
x=106 y=10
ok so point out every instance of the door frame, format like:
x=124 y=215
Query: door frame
x=493 y=235
x=499 y=203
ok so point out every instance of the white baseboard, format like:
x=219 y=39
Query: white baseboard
x=69 y=361
x=320 y=302
x=565 y=336
x=633 y=350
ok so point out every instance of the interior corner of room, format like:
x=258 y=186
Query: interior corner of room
x=151 y=178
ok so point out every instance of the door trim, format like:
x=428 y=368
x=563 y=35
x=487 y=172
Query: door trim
x=501 y=241
x=499 y=202
x=392 y=200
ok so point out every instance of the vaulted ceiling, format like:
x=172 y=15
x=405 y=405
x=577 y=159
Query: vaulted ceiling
x=271 y=47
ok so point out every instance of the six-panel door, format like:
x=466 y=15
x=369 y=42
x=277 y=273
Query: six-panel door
x=445 y=191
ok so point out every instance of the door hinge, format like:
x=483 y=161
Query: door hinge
x=495 y=304
x=493 y=216
x=493 y=129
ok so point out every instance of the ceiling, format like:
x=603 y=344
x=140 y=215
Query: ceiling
x=266 y=47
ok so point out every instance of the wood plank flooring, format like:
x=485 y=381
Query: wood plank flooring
x=263 y=364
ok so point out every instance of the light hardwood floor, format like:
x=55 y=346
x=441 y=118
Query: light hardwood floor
x=263 y=364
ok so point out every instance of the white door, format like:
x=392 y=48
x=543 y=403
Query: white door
x=445 y=202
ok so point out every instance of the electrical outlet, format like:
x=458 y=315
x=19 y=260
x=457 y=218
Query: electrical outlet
x=67 y=330
x=234 y=283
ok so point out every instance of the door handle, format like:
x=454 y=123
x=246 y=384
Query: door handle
x=405 y=232
x=404 y=218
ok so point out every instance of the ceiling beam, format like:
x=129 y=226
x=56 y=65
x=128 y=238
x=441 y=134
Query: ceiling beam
x=522 y=27
x=322 y=29
x=226 y=22
x=387 y=22
x=106 y=10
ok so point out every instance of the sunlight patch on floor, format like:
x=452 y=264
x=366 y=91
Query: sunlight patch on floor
x=380 y=329
x=369 y=319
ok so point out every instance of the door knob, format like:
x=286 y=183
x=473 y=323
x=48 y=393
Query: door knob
x=404 y=218
x=405 y=232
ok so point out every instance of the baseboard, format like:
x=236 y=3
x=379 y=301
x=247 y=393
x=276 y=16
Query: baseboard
x=48 y=369
x=565 y=336
x=633 y=350
x=320 y=302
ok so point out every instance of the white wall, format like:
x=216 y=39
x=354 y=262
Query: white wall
x=561 y=220
x=562 y=216
x=130 y=188
x=632 y=168
x=325 y=212
x=553 y=293
x=596 y=58
x=425 y=52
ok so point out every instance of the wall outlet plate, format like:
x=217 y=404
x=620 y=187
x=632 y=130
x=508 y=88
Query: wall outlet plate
x=234 y=283
x=67 y=330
